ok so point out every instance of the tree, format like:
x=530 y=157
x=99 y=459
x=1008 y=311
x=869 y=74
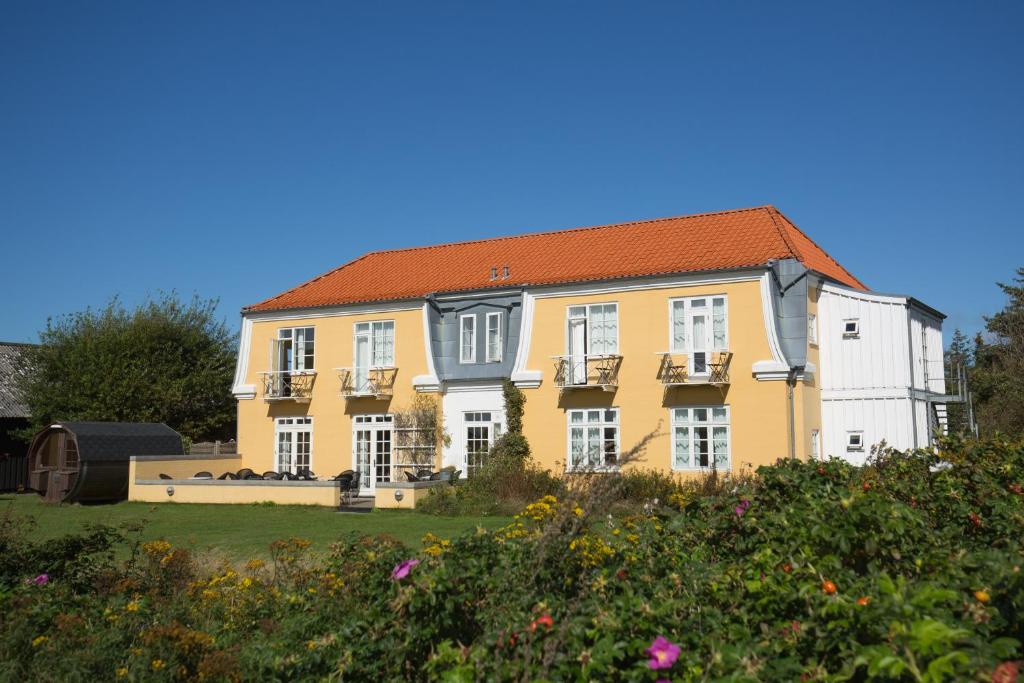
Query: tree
x=165 y=361
x=958 y=355
x=998 y=376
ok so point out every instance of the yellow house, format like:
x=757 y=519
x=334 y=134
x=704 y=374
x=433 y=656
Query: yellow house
x=732 y=335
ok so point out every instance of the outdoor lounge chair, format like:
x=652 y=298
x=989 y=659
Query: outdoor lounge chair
x=272 y=475
x=202 y=475
x=424 y=474
x=227 y=475
x=409 y=476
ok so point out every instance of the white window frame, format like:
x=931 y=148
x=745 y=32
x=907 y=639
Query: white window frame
x=373 y=422
x=709 y=335
x=474 y=418
x=588 y=317
x=816 y=444
x=855 y=332
x=462 y=346
x=691 y=424
x=372 y=347
x=851 y=437
x=601 y=424
x=812 y=328
x=496 y=356
x=293 y=425
x=290 y=334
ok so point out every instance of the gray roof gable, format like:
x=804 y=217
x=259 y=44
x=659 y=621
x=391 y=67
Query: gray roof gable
x=12 y=365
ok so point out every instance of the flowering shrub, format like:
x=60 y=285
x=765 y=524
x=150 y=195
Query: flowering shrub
x=901 y=570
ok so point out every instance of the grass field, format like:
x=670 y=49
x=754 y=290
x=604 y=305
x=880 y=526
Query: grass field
x=238 y=532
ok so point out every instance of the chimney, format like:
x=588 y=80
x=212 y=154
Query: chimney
x=504 y=275
x=494 y=273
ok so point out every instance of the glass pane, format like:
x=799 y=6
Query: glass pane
x=593 y=446
x=700 y=414
x=701 y=446
x=611 y=416
x=719 y=415
x=682 y=447
x=681 y=415
x=718 y=323
x=678 y=326
x=576 y=416
x=389 y=344
x=593 y=416
x=576 y=445
x=720 y=444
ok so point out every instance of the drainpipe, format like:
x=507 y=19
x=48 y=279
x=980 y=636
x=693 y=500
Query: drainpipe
x=790 y=385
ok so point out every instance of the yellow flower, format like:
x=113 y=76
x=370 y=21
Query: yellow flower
x=156 y=547
x=246 y=582
x=254 y=565
x=311 y=645
x=578 y=511
x=132 y=606
x=122 y=672
x=39 y=640
x=157 y=664
x=209 y=594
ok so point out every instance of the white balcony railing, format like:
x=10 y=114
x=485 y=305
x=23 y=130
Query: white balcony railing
x=587 y=370
x=674 y=370
x=288 y=385
x=378 y=382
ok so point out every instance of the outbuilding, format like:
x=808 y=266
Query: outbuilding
x=87 y=462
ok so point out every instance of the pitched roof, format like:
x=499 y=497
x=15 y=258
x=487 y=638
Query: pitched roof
x=701 y=242
x=12 y=364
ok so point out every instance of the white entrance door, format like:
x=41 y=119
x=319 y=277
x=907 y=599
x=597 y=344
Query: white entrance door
x=578 y=349
x=480 y=430
x=372 y=450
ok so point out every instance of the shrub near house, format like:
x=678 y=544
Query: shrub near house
x=813 y=571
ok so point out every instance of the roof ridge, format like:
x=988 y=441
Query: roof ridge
x=772 y=211
x=820 y=248
x=562 y=231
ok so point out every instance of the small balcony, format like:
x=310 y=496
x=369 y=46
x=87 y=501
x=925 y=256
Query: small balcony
x=288 y=385
x=367 y=382
x=587 y=371
x=674 y=370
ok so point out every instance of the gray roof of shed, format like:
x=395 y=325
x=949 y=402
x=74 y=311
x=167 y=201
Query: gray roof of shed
x=121 y=440
x=12 y=365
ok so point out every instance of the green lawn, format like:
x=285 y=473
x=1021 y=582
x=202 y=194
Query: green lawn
x=239 y=532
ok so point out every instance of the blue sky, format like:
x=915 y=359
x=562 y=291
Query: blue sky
x=235 y=150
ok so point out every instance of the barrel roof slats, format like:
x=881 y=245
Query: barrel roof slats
x=118 y=440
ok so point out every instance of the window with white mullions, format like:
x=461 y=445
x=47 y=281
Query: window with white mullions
x=482 y=429
x=374 y=346
x=592 y=330
x=294 y=349
x=294 y=444
x=372 y=446
x=494 y=337
x=593 y=438
x=467 y=338
x=699 y=328
x=701 y=438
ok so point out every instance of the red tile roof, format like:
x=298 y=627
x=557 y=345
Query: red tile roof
x=709 y=241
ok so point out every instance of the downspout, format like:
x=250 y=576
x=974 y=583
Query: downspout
x=790 y=386
x=910 y=378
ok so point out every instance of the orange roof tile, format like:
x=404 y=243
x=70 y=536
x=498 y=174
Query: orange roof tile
x=710 y=241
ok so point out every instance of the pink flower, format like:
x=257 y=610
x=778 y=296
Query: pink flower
x=663 y=652
x=402 y=569
x=41 y=580
x=742 y=507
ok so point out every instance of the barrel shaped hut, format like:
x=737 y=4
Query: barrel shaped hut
x=87 y=462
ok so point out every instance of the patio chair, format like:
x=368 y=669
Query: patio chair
x=165 y=476
x=227 y=475
x=245 y=473
x=202 y=475
x=424 y=474
x=272 y=475
x=346 y=473
x=306 y=475
x=288 y=476
x=409 y=476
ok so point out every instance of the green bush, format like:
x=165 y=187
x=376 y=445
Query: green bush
x=908 y=569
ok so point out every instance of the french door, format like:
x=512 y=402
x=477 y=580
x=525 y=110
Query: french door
x=481 y=430
x=293 y=451
x=372 y=450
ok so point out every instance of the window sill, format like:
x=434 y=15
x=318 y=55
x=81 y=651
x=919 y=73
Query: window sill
x=709 y=468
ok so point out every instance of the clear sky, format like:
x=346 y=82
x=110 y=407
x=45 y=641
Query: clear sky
x=235 y=150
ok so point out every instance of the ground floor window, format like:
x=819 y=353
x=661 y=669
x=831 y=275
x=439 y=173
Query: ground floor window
x=701 y=437
x=372 y=435
x=294 y=444
x=593 y=438
x=482 y=429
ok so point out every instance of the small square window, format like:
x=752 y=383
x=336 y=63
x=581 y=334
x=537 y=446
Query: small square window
x=851 y=328
x=854 y=441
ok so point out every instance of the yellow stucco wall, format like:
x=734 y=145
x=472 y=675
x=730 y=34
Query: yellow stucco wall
x=759 y=417
x=142 y=467
x=332 y=414
x=234 y=492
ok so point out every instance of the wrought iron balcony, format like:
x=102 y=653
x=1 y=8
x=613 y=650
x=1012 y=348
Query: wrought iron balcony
x=367 y=382
x=585 y=371
x=674 y=370
x=288 y=385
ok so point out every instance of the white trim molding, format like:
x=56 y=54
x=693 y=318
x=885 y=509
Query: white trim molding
x=428 y=382
x=242 y=391
x=520 y=376
x=777 y=368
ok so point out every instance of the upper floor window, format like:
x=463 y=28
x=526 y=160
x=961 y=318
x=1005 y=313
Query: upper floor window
x=294 y=350
x=494 y=337
x=467 y=339
x=851 y=328
x=375 y=344
x=699 y=328
x=593 y=438
x=812 y=328
x=700 y=437
x=593 y=330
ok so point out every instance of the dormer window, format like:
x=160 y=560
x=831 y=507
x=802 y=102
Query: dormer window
x=467 y=339
x=494 y=337
x=851 y=328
